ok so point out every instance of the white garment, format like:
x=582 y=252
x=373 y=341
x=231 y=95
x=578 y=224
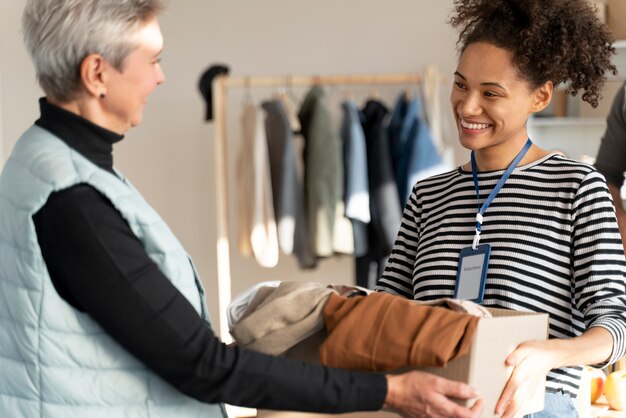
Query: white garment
x=258 y=235
x=432 y=104
x=343 y=234
x=237 y=307
x=440 y=120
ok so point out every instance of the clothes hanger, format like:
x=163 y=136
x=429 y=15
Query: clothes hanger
x=348 y=94
x=292 y=95
x=286 y=96
x=248 y=98
x=374 y=92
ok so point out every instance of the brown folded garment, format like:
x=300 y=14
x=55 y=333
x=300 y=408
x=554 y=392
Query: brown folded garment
x=380 y=332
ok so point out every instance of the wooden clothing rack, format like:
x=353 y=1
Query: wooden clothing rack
x=220 y=85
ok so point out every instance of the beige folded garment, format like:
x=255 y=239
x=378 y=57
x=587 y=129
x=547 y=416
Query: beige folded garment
x=278 y=318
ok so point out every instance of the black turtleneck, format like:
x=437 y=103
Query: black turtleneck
x=100 y=267
x=92 y=141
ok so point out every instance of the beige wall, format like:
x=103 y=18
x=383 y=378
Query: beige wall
x=2 y=158
x=169 y=157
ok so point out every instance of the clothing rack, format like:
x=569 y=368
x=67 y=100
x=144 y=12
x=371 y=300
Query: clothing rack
x=218 y=98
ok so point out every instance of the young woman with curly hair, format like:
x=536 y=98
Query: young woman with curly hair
x=550 y=230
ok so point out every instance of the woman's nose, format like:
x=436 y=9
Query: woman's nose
x=469 y=106
x=160 y=76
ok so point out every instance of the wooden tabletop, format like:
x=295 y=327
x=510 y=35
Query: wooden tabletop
x=601 y=409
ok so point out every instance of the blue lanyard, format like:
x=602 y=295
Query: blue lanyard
x=494 y=192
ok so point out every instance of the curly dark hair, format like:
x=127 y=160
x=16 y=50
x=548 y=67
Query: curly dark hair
x=561 y=41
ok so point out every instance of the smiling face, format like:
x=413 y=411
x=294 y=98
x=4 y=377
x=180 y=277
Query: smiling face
x=127 y=90
x=492 y=103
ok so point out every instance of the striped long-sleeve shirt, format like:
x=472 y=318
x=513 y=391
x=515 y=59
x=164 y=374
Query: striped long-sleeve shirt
x=555 y=248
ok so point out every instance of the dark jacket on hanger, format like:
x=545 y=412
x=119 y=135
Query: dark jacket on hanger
x=385 y=207
x=287 y=192
x=323 y=171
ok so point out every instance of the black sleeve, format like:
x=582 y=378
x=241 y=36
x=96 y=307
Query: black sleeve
x=100 y=267
x=611 y=160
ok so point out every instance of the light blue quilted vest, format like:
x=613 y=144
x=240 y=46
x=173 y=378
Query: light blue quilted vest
x=54 y=360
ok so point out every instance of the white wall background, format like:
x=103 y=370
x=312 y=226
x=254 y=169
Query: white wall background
x=169 y=158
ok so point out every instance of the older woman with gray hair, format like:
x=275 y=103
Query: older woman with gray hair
x=102 y=310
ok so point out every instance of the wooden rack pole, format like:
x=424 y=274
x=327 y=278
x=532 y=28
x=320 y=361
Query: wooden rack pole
x=219 y=99
x=220 y=152
x=299 y=80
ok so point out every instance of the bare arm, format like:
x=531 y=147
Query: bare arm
x=534 y=359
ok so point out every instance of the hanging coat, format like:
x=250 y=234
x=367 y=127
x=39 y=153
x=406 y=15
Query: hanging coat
x=415 y=155
x=323 y=174
x=356 y=190
x=385 y=209
x=287 y=193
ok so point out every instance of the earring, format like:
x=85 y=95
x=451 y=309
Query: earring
x=103 y=95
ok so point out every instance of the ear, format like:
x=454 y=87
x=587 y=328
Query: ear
x=94 y=74
x=542 y=96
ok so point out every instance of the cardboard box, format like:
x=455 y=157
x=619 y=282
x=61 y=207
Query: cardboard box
x=616 y=17
x=483 y=368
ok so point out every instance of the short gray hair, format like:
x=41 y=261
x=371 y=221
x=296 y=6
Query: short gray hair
x=60 y=34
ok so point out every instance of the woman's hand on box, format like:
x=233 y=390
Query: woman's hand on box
x=531 y=362
x=424 y=395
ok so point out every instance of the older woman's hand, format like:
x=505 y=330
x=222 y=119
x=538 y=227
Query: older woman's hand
x=424 y=395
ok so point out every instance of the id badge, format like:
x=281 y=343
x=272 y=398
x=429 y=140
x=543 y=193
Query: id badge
x=472 y=272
